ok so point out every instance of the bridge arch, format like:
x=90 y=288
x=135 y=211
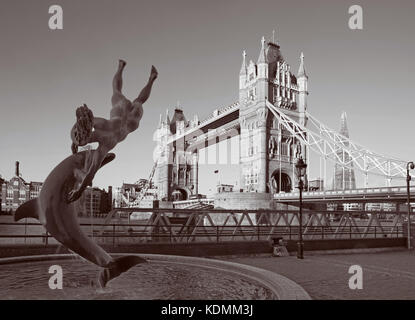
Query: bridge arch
x=280 y=182
x=180 y=194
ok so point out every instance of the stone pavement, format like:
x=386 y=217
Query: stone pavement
x=386 y=275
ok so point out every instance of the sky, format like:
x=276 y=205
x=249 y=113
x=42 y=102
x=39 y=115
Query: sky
x=196 y=46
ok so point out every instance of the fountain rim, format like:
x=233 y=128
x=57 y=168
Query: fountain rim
x=282 y=287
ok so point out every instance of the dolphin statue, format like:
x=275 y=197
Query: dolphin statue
x=59 y=216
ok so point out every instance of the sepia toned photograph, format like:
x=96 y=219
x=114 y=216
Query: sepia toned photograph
x=207 y=154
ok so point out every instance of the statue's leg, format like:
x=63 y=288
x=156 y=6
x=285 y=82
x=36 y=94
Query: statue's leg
x=137 y=106
x=117 y=84
x=145 y=92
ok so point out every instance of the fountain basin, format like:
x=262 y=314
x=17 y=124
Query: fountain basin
x=164 y=277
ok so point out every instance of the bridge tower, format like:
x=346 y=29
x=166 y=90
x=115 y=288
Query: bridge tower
x=268 y=152
x=176 y=171
x=163 y=157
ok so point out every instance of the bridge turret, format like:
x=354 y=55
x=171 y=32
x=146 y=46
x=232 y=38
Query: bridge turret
x=243 y=76
x=262 y=82
x=178 y=122
x=195 y=122
x=163 y=129
x=167 y=119
x=302 y=80
x=164 y=155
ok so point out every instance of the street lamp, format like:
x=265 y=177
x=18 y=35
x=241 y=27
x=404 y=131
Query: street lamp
x=410 y=165
x=300 y=167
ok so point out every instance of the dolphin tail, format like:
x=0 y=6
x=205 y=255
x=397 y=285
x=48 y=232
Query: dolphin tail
x=116 y=267
x=28 y=209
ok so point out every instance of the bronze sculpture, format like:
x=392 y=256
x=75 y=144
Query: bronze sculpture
x=125 y=117
x=56 y=208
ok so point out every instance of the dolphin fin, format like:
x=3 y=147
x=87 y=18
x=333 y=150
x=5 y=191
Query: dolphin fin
x=28 y=209
x=116 y=267
x=108 y=158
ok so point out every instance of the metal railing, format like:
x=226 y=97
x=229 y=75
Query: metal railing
x=118 y=234
x=386 y=192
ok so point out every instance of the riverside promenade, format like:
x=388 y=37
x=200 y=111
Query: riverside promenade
x=386 y=275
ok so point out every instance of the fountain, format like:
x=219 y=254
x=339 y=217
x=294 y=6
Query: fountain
x=138 y=276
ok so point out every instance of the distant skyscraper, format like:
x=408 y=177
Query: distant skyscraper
x=344 y=177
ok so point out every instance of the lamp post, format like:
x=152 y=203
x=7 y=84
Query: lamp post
x=301 y=167
x=410 y=165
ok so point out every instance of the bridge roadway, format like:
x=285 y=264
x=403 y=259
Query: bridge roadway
x=379 y=194
x=362 y=195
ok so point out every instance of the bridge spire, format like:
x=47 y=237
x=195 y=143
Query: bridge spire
x=243 y=67
x=301 y=69
x=167 y=120
x=262 y=58
x=243 y=75
x=302 y=80
x=262 y=69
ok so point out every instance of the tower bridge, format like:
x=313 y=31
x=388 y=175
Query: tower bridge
x=268 y=129
x=274 y=128
x=267 y=151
